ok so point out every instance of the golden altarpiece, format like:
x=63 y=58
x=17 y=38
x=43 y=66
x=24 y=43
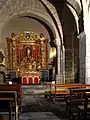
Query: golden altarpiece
x=27 y=55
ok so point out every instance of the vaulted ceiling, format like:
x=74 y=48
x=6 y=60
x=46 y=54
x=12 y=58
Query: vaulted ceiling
x=76 y=4
x=2 y=3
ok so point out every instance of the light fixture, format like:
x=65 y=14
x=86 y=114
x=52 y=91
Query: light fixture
x=52 y=52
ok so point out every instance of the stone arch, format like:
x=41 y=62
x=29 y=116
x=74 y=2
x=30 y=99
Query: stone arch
x=44 y=16
x=53 y=11
x=75 y=17
x=76 y=4
x=36 y=14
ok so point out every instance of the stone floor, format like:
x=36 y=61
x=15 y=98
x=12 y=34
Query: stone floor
x=39 y=116
x=35 y=107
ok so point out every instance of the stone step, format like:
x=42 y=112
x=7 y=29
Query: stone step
x=33 y=92
x=34 y=86
x=38 y=116
x=34 y=89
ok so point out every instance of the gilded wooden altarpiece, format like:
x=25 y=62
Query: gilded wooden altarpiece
x=27 y=53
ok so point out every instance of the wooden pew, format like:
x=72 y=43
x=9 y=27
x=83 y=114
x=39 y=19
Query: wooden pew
x=11 y=93
x=75 y=101
x=62 y=89
x=13 y=87
x=6 y=101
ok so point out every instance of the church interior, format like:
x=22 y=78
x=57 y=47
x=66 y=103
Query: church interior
x=58 y=54
x=43 y=47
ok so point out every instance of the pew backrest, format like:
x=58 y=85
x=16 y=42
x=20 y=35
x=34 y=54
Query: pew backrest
x=82 y=91
x=56 y=88
x=14 y=88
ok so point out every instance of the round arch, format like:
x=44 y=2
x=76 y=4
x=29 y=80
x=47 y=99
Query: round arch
x=38 y=15
x=75 y=17
x=76 y=5
x=55 y=17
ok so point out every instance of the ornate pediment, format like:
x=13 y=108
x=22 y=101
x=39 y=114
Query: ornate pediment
x=28 y=37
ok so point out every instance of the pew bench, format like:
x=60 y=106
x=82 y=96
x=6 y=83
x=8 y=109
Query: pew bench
x=76 y=101
x=12 y=94
x=60 y=90
x=6 y=106
x=13 y=87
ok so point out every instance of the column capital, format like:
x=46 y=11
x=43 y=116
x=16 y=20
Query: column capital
x=58 y=41
x=81 y=35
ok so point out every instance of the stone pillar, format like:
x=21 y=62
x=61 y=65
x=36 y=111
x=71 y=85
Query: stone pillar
x=58 y=76
x=63 y=65
x=87 y=79
x=86 y=17
x=0 y=34
x=84 y=66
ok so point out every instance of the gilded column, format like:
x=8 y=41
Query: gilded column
x=43 y=51
x=14 y=54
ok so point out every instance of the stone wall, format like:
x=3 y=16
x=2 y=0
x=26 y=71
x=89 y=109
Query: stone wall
x=69 y=70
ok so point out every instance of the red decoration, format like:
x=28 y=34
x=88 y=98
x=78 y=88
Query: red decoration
x=30 y=80
x=36 y=80
x=24 y=80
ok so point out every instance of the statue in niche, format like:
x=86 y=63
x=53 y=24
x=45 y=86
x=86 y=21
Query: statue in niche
x=28 y=52
x=1 y=57
x=2 y=68
x=28 y=63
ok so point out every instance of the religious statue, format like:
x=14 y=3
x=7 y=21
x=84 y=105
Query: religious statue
x=1 y=57
x=28 y=52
